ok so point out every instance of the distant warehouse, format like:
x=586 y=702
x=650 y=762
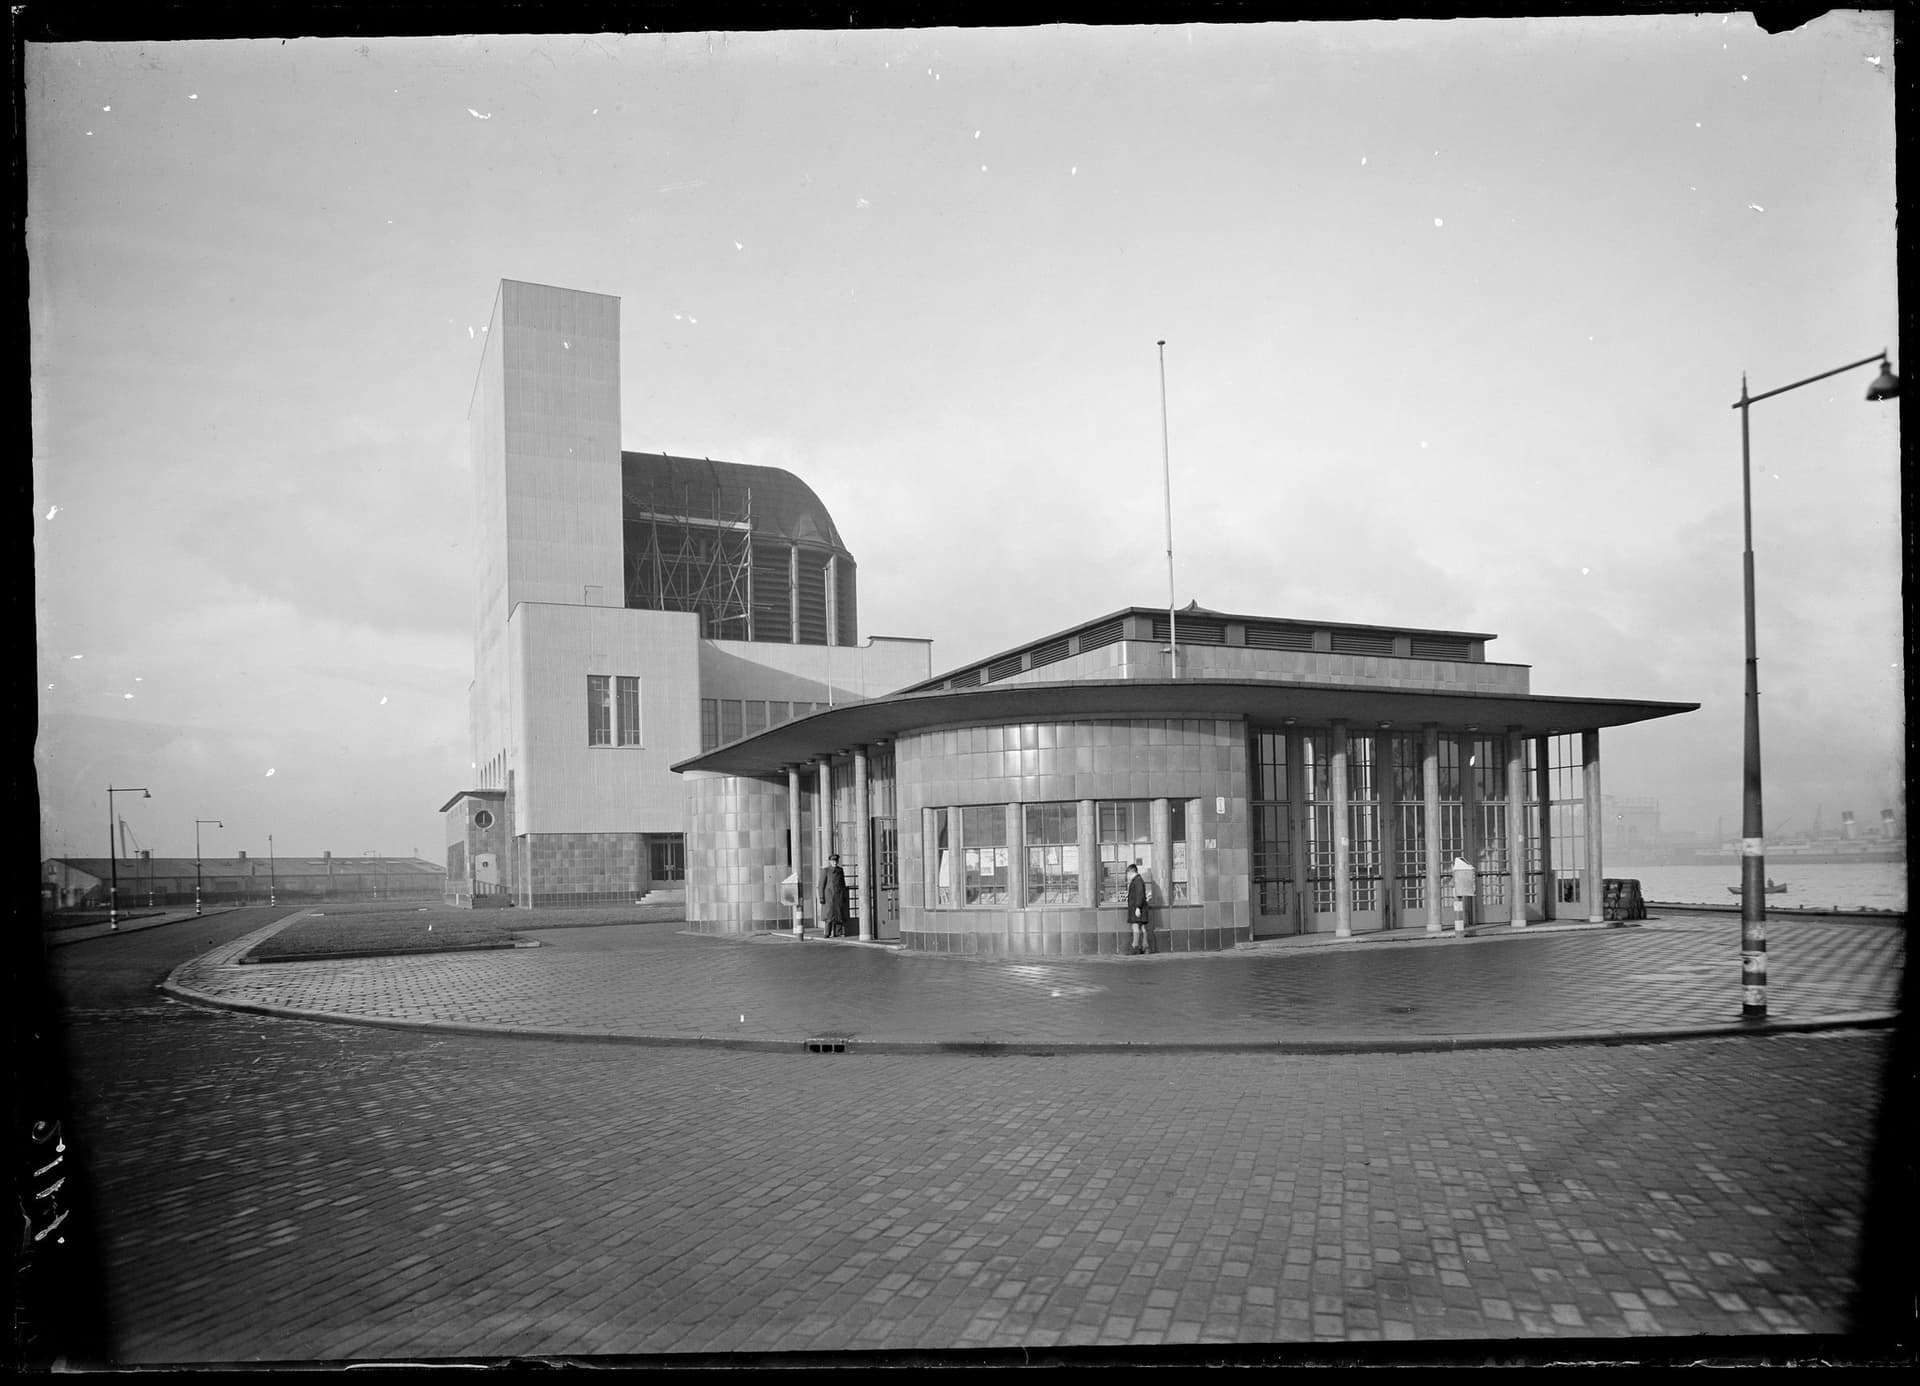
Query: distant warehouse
x=144 y=879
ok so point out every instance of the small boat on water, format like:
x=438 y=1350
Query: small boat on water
x=1773 y=887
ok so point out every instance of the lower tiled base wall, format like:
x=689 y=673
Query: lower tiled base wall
x=1015 y=933
x=583 y=869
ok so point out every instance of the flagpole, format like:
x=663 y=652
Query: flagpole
x=1166 y=465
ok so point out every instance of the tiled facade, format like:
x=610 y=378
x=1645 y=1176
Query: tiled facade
x=1199 y=762
x=737 y=853
x=583 y=868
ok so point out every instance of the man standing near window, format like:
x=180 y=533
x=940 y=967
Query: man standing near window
x=833 y=898
x=1137 y=908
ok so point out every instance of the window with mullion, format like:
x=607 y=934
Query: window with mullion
x=627 y=695
x=983 y=839
x=599 y=710
x=1124 y=829
x=1053 y=853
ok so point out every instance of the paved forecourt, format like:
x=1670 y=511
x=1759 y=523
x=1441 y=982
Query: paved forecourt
x=660 y=983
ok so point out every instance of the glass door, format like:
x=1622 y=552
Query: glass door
x=1366 y=906
x=1276 y=898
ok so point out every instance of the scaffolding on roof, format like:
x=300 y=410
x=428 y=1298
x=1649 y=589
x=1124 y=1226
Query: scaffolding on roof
x=686 y=553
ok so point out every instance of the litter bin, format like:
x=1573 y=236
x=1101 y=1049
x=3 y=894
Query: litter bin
x=790 y=898
x=1463 y=889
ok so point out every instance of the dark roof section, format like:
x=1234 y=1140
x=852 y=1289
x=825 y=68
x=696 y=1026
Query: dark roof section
x=473 y=794
x=1268 y=702
x=782 y=504
x=1198 y=613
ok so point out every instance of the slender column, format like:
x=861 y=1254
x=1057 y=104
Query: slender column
x=1517 y=822
x=1543 y=792
x=1299 y=816
x=862 y=850
x=822 y=827
x=1470 y=825
x=1161 y=831
x=1342 y=847
x=1430 y=791
x=793 y=847
x=1590 y=754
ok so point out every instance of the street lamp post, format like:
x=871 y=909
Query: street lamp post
x=113 y=859
x=1753 y=859
x=196 y=859
x=273 y=883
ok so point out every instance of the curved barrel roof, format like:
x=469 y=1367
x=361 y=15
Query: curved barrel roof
x=781 y=503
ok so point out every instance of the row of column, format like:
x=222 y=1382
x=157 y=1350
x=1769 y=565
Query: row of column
x=857 y=869
x=1516 y=825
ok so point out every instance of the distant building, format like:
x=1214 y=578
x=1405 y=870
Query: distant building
x=632 y=609
x=1633 y=829
x=146 y=880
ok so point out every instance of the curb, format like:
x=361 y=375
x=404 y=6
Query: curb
x=852 y=1044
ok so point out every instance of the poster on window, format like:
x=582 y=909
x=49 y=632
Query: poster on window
x=999 y=859
x=1070 y=860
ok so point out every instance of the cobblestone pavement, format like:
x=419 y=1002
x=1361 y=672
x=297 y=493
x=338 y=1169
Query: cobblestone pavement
x=658 y=981
x=284 y=1190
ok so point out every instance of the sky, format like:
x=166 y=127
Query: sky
x=1455 y=313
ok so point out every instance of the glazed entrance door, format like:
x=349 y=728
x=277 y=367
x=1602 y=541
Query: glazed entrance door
x=886 y=879
x=1275 y=888
x=1365 y=855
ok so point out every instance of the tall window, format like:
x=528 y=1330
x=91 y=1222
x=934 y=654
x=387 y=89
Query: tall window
x=1272 y=829
x=627 y=705
x=1363 y=822
x=1053 y=854
x=730 y=719
x=1453 y=816
x=1410 y=815
x=1567 y=815
x=709 y=723
x=983 y=836
x=1125 y=832
x=942 y=856
x=599 y=710
x=754 y=721
x=1490 y=791
x=1180 y=889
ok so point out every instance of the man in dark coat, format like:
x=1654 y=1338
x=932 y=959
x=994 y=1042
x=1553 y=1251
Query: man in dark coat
x=1137 y=908
x=833 y=898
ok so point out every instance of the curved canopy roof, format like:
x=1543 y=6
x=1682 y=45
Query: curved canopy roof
x=780 y=503
x=1270 y=702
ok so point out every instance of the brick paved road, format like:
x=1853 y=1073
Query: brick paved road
x=655 y=980
x=277 y=1189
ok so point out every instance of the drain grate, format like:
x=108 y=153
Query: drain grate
x=827 y=1044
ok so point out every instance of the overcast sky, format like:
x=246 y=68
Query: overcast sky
x=1454 y=313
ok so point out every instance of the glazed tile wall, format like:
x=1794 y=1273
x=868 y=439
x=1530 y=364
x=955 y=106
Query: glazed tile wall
x=1049 y=762
x=737 y=852
x=584 y=868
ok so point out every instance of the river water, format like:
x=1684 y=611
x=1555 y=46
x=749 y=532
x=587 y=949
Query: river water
x=1878 y=885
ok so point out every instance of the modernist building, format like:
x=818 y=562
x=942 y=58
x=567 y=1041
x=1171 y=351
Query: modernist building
x=632 y=609
x=1271 y=776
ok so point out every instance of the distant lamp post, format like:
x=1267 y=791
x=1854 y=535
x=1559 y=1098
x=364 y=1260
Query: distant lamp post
x=273 y=883
x=1753 y=858
x=196 y=859
x=113 y=857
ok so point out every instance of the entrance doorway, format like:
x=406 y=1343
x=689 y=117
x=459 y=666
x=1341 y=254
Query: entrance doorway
x=886 y=879
x=1275 y=889
x=667 y=860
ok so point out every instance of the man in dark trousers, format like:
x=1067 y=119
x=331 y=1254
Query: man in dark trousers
x=1137 y=908
x=833 y=898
